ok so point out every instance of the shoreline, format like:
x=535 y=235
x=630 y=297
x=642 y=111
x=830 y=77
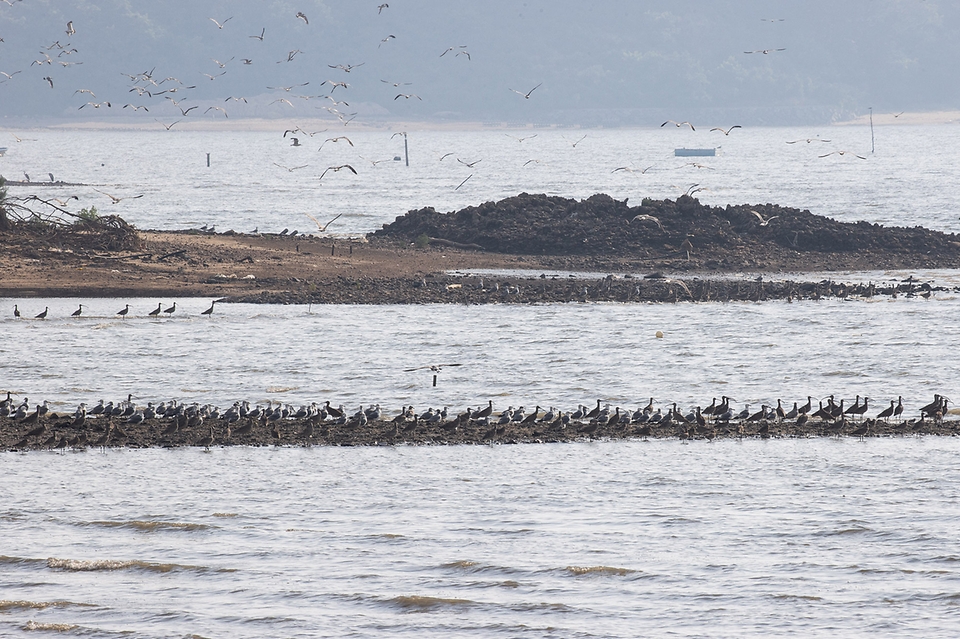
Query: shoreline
x=274 y=269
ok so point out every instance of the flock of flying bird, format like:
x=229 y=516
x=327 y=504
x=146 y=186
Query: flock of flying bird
x=148 y=85
x=242 y=419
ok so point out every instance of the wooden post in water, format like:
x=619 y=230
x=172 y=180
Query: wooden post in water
x=208 y=160
x=872 y=146
x=406 y=154
x=434 y=380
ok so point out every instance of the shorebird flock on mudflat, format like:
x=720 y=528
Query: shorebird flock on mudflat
x=175 y=423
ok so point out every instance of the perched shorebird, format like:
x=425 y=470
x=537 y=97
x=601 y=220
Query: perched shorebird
x=42 y=315
x=16 y=311
x=171 y=310
x=77 y=312
x=209 y=311
x=124 y=311
x=155 y=312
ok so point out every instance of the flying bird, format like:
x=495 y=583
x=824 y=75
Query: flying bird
x=185 y=112
x=335 y=85
x=260 y=37
x=303 y=17
x=381 y=7
x=808 y=140
x=337 y=169
x=726 y=131
x=96 y=105
x=219 y=64
x=50 y=80
x=394 y=84
x=85 y=91
x=449 y=49
x=842 y=153
x=337 y=139
x=387 y=39
x=170 y=126
x=246 y=60
x=322 y=227
x=764 y=222
x=284 y=100
x=117 y=200
x=290 y=88
x=521 y=140
x=679 y=124
x=289 y=169
x=765 y=51
x=216 y=108
x=647 y=218
x=346 y=67
x=220 y=24
x=9 y=75
x=408 y=96
x=469 y=164
x=70 y=29
x=213 y=77
x=527 y=94
x=136 y=108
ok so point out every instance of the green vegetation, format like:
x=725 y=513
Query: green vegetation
x=87 y=215
x=423 y=241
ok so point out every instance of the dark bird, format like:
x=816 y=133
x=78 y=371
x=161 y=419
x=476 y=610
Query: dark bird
x=70 y=29
x=77 y=312
x=527 y=94
x=381 y=7
x=124 y=311
x=303 y=17
x=155 y=312
x=16 y=311
x=171 y=310
x=49 y=79
x=42 y=315
x=209 y=311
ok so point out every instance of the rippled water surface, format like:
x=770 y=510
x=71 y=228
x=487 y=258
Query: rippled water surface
x=731 y=539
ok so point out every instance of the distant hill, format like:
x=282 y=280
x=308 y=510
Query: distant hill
x=610 y=63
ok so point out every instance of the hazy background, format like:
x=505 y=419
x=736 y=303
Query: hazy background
x=609 y=63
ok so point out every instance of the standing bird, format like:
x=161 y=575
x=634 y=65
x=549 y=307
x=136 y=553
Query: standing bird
x=123 y=312
x=42 y=315
x=157 y=310
x=171 y=310
x=209 y=311
x=16 y=311
x=77 y=312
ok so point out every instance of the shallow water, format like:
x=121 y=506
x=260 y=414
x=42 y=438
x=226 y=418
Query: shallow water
x=727 y=539
x=552 y=354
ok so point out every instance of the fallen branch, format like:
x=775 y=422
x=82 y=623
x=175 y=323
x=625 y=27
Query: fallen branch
x=452 y=244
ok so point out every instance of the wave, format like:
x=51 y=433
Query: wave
x=94 y=565
x=49 y=627
x=149 y=526
x=465 y=565
x=604 y=571
x=418 y=603
x=6 y=605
